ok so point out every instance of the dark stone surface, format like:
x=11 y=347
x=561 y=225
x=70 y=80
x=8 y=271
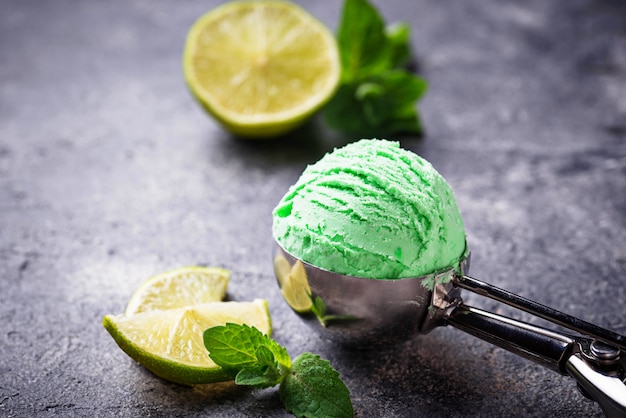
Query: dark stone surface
x=110 y=173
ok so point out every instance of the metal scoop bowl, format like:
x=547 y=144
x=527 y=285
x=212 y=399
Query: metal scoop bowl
x=362 y=312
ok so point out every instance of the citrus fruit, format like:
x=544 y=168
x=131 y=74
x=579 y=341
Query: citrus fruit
x=178 y=288
x=170 y=344
x=261 y=67
x=294 y=285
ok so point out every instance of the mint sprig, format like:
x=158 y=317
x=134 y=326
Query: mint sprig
x=309 y=386
x=377 y=95
x=236 y=348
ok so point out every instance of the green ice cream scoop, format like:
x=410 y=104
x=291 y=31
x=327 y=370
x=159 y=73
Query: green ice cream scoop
x=372 y=209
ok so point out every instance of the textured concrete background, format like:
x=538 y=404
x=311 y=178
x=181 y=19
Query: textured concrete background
x=110 y=173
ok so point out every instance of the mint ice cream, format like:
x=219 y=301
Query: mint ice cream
x=371 y=209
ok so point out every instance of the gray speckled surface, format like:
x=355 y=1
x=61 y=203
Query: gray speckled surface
x=110 y=173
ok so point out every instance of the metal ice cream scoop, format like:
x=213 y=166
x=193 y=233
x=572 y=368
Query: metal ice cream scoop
x=361 y=312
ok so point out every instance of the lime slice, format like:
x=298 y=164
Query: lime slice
x=294 y=285
x=178 y=288
x=261 y=67
x=170 y=343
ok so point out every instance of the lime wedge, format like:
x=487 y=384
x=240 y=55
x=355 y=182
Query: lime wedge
x=170 y=344
x=294 y=285
x=261 y=67
x=178 y=288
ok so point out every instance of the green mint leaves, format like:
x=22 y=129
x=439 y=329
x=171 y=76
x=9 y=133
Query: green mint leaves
x=247 y=354
x=309 y=387
x=377 y=95
x=314 y=389
x=363 y=43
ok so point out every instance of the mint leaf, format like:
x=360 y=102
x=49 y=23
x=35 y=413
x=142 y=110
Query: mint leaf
x=399 y=37
x=318 y=308
x=314 y=389
x=382 y=105
x=235 y=347
x=364 y=47
x=266 y=373
x=376 y=96
x=255 y=376
x=265 y=356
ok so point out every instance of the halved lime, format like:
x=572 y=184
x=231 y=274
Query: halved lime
x=178 y=288
x=261 y=67
x=170 y=344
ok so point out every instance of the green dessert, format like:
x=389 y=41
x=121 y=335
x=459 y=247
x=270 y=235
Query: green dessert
x=371 y=209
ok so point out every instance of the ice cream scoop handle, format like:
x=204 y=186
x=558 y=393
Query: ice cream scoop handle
x=608 y=390
x=542 y=311
x=540 y=345
x=559 y=352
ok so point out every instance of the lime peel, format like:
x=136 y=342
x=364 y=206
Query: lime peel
x=169 y=342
